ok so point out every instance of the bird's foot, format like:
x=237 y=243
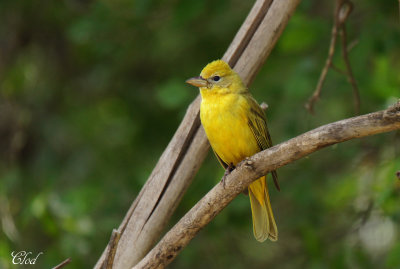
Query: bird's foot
x=228 y=170
x=247 y=163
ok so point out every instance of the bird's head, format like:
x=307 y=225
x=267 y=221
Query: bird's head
x=218 y=77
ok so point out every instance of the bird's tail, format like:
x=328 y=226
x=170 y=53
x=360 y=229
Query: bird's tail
x=264 y=226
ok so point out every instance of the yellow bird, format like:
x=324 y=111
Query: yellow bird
x=236 y=128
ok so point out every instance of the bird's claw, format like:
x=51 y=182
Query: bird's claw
x=228 y=170
x=247 y=163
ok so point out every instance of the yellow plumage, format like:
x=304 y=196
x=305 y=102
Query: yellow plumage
x=236 y=128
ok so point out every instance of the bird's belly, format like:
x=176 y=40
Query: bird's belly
x=229 y=135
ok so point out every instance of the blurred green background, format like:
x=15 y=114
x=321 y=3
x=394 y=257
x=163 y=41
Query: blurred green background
x=91 y=91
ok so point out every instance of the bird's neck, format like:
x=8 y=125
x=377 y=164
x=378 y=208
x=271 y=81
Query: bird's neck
x=214 y=92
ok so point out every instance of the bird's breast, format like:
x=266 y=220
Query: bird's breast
x=225 y=120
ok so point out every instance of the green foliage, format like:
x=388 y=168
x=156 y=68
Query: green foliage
x=172 y=94
x=92 y=91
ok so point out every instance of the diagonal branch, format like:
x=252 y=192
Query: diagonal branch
x=258 y=165
x=61 y=265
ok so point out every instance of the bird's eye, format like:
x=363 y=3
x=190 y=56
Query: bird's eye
x=216 y=78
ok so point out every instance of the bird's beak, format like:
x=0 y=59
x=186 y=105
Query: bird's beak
x=197 y=81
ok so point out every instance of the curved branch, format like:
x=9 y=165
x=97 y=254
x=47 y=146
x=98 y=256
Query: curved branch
x=260 y=164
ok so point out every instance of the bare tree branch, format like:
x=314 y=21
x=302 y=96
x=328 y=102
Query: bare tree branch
x=258 y=165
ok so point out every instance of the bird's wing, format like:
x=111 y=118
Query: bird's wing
x=258 y=125
x=224 y=164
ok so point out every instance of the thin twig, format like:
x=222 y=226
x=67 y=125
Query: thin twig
x=364 y=216
x=64 y=263
x=337 y=69
x=352 y=45
x=317 y=93
x=350 y=75
x=310 y=104
x=342 y=11
x=258 y=165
